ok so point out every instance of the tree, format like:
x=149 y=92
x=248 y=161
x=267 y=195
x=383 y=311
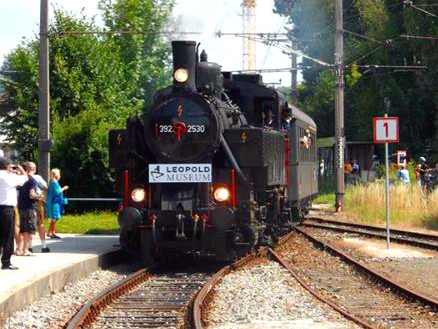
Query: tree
x=145 y=55
x=372 y=36
x=95 y=85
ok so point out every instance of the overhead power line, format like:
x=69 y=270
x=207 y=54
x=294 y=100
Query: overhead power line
x=220 y=34
x=363 y=37
x=412 y=67
x=426 y=37
x=272 y=38
x=372 y=51
x=77 y=32
x=284 y=45
x=299 y=53
x=286 y=69
x=286 y=17
x=232 y=8
x=410 y=4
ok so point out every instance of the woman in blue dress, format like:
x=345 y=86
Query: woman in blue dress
x=55 y=202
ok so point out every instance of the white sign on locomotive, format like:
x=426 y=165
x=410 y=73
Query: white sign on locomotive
x=180 y=173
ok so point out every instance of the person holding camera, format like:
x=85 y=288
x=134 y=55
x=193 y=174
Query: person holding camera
x=10 y=179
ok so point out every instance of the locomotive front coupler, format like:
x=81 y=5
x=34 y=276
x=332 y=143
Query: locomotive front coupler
x=180 y=226
x=195 y=226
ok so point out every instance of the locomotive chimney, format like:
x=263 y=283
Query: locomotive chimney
x=184 y=65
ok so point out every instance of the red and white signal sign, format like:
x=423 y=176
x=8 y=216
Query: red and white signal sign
x=386 y=130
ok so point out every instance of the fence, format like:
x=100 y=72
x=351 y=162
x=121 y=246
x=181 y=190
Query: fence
x=90 y=204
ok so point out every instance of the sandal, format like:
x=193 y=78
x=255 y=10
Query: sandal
x=24 y=254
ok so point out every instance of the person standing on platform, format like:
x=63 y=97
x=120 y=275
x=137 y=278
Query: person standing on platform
x=9 y=181
x=41 y=187
x=17 y=234
x=55 y=202
x=27 y=199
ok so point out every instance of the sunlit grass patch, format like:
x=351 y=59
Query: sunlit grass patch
x=327 y=186
x=326 y=198
x=89 y=223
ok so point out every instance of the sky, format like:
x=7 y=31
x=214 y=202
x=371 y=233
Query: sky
x=20 y=18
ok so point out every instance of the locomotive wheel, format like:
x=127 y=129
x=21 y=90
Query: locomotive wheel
x=297 y=215
x=251 y=239
x=146 y=248
x=130 y=242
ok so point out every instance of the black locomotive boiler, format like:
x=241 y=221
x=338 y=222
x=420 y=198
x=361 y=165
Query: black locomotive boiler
x=219 y=165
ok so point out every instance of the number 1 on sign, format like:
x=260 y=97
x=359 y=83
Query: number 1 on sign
x=385 y=125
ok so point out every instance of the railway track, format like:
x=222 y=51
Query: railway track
x=149 y=298
x=423 y=240
x=206 y=295
x=362 y=292
x=152 y=299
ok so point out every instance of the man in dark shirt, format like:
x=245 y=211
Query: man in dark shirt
x=27 y=199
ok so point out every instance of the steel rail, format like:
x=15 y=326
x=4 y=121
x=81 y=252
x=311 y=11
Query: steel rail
x=376 y=231
x=205 y=295
x=88 y=313
x=376 y=274
x=323 y=299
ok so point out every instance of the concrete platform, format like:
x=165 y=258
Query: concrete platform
x=71 y=258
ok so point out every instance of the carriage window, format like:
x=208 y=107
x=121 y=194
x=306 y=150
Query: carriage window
x=307 y=145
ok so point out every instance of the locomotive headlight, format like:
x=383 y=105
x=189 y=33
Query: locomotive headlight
x=181 y=75
x=221 y=194
x=138 y=195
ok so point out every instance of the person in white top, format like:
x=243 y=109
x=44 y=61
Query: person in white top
x=10 y=178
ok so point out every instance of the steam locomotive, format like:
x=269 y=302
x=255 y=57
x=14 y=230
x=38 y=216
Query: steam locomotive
x=219 y=165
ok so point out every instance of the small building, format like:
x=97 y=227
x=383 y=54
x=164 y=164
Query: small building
x=361 y=151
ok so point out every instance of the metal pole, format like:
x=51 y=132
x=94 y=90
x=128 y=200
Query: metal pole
x=293 y=86
x=387 y=193
x=339 y=107
x=43 y=113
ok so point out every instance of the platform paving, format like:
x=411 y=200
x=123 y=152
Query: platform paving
x=71 y=258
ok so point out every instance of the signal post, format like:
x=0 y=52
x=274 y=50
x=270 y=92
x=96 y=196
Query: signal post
x=339 y=108
x=386 y=131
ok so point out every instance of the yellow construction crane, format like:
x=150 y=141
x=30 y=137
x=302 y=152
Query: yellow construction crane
x=249 y=28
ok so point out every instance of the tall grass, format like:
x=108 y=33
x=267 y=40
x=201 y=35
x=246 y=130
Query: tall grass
x=409 y=205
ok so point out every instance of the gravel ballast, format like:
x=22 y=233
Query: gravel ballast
x=266 y=296
x=54 y=310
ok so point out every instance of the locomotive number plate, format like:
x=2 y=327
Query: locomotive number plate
x=180 y=173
